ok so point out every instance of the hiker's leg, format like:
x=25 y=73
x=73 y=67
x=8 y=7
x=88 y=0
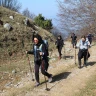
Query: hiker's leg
x=43 y=70
x=37 y=72
x=73 y=45
x=59 y=52
x=46 y=63
x=85 y=57
x=79 y=58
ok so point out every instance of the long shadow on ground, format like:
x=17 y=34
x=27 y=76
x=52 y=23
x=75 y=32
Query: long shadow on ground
x=65 y=57
x=91 y=63
x=60 y=76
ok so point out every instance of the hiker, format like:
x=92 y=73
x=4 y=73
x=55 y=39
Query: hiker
x=83 y=46
x=74 y=40
x=45 y=42
x=89 y=36
x=39 y=53
x=59 y=44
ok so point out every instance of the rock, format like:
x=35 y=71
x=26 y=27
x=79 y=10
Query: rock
x=14 y=71
x=18 y=23
x=8 y=84
x=8 y=27
x=27 y=22
x=11 y=17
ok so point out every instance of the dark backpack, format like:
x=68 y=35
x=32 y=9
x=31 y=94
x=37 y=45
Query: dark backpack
x=45 y=42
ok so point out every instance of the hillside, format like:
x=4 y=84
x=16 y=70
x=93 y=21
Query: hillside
x=17 y=40
x=68 y=79
x=15 y=75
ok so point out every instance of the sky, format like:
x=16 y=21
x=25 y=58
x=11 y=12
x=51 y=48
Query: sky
x=48 y=8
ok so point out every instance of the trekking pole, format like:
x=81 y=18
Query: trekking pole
x=30 y=67
x=46 y=84
x=45 y=78
x=64 y=52
x=75 y=55
x=87 y=56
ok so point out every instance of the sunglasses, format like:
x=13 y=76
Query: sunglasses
x=35 y=40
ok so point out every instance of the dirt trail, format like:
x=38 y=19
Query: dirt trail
x=67 y=78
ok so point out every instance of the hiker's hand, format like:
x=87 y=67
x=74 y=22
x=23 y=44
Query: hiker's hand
x=26 y=51
x=75 y=47
x=41 y=53
x=89 y=46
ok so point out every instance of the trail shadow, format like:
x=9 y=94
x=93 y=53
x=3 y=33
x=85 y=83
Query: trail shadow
x=91 y=63
x=71 y=57
x=60 y=76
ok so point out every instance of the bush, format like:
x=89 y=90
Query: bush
x=42 y=22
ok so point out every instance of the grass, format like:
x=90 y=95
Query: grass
x=90 y=88
x=20 y=37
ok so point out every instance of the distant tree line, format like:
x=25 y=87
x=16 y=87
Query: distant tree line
x=77 y=15
x=28 y=14
x=11 y=4
x=16 y=6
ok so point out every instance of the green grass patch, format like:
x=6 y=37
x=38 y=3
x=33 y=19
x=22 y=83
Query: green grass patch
x=90 y=88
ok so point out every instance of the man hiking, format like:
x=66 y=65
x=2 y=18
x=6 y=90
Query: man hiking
x=39 y=53
x=90 y=36
x=74 y=40
x=59 y=44
x=83 y=46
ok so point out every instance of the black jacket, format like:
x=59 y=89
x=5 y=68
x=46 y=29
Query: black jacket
x=36 y=49
x=59 y=43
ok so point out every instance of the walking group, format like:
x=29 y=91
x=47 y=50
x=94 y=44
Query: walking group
x=40 y=52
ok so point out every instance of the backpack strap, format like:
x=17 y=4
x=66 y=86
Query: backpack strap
x=40 y=47
x=35 y=48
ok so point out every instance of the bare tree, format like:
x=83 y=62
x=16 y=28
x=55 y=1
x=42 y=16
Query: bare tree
x=28 y=14
x=11 y=4
x=75 y=15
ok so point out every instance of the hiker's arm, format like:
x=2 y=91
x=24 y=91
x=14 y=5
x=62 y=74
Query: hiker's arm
x=89 y=45
x=43 y=51
x=30 y=52
x=77 y=45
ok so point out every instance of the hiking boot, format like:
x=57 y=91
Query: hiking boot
x=37 y=84
x=79 y=67
x=59 y=57
x=85 y=65
x=50 y=79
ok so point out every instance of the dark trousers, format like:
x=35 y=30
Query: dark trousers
x=59 y=50
x=46 y=63
x=74 y=42
x=83 y=54
x=90 y=40
x=43 y=70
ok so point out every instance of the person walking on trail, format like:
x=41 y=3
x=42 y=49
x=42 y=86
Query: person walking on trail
x=74 y=40
x=45 y=42
x=59 y=44
x=39 y=53
x=90 y=36
x=83 y=46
